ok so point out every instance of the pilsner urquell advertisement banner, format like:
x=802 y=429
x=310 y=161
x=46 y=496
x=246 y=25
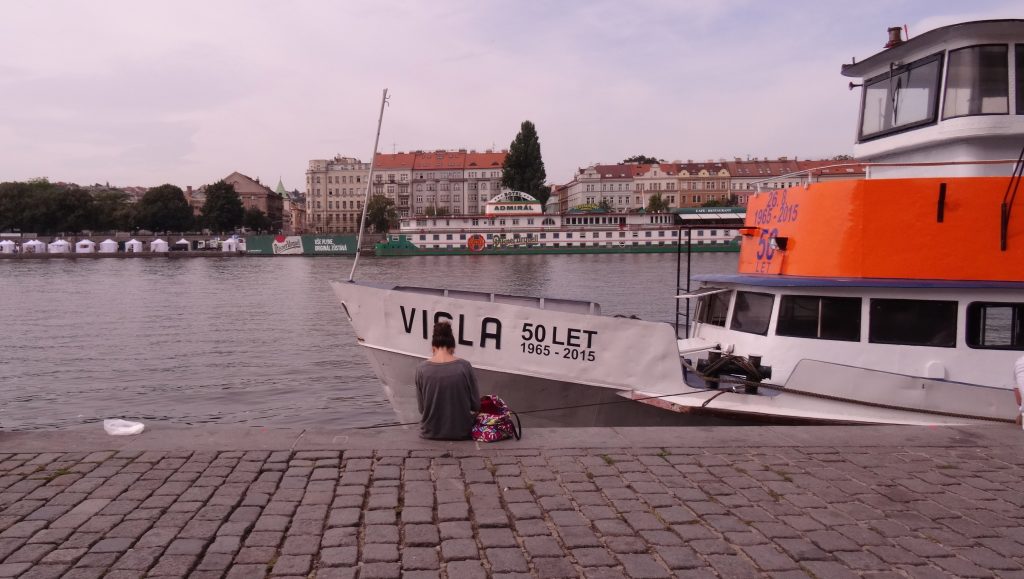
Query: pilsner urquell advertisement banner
x=301 y=244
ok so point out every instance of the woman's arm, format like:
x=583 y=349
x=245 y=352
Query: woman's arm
x=419 y=392
x=474 y=389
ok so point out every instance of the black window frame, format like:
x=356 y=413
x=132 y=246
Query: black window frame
x=704 y=311
x=781 y=329
x=735 y=309
x=896 y=71
x=872 y=328
x=971 y=331
x=945 y=84
x=1018 y=73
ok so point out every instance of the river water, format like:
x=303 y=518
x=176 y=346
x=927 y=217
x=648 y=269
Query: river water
x=253 y=341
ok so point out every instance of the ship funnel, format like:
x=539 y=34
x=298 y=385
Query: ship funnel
x=895 y=36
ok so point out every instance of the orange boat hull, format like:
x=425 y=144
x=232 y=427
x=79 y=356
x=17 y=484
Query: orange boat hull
x=885 y=228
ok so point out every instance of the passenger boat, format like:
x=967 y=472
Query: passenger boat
x=897 y=299
x=514 y=223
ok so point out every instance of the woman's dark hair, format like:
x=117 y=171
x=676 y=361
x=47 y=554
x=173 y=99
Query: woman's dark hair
x=443 y=337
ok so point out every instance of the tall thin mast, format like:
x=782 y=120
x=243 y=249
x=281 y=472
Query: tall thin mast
x=369 y=180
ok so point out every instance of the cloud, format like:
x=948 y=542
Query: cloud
x=148 y=92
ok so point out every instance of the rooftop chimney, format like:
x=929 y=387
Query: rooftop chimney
x=895 y=36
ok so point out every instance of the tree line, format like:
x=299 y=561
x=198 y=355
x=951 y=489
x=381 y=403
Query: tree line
x=39 y=206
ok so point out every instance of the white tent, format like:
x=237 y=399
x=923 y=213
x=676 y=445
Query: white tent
x=85 y=246
x=229 y=245
x=184 y=243
x=108 y=246
x=133 y=246
x=241 y=245
x=6 y=246
x=158 y=246
x=59 y=246
x=33 y=246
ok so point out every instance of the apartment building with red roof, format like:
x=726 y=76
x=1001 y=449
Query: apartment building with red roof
x=453 y=182
x=630 y=186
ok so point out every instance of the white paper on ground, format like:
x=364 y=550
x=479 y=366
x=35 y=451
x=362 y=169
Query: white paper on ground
x=118 y=427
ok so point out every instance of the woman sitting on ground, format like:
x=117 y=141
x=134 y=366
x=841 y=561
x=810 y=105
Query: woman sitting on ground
x=446 y=390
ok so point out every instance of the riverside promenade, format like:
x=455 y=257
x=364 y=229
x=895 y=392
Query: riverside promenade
x=826 y=502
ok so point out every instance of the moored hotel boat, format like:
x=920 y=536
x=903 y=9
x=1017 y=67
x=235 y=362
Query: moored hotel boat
x=897 y=299
x=513 y=223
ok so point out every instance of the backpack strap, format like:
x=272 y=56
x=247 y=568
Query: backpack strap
x=517 y=428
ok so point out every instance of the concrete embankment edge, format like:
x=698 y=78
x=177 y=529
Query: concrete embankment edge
x=159 y=437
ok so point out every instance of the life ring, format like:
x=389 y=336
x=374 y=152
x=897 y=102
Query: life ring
x=476 y=243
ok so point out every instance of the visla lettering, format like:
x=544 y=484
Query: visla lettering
x=489 y=330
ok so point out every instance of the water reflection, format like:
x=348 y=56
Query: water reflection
x=256 y=341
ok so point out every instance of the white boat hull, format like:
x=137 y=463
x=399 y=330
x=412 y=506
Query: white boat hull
x=584 y=369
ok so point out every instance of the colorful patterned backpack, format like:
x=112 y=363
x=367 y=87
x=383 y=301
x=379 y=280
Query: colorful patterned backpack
x=494 y=421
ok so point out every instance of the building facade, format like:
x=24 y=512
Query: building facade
x=629 y=186
x=255 y=195
x=335 y=190
x=446 y=182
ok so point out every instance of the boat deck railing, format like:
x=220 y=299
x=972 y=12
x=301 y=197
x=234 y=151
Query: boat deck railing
x=807 y=175
x=555 y=304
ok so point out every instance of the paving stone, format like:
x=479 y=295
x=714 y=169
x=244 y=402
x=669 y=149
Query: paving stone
x=466 y=570
x=139 y=559
x=506 y=560
x=554 y=568
x=336 y=573
x=642 y=566
x=338 y=556
x=340 y=537
x=496 y=538
x=293 y=565
x=459 y=549
x=380 y=571
x=419 y=558
x=173 y=565
x=380 y=553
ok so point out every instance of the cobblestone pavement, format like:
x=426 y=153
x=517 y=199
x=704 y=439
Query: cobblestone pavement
x=515 y=512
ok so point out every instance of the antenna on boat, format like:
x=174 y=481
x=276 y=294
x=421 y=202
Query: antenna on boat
x=369 y=180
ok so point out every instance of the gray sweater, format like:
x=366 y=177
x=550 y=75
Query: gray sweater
x=448 y=399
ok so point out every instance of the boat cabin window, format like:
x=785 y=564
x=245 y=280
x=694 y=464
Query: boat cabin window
x=1019 y=75
x=913 y=322
x=995 y=326
x=977 y=82
x=825 y=318
x=752 y=312
x=904 y=98
x=713 y=308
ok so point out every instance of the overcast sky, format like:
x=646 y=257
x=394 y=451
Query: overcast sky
x=143 y=93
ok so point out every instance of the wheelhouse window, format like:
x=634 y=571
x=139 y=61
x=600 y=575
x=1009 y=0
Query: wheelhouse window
x=752 y=312
x=824 y=318
x=913 y=322
x=977 y=82
x=995 y=326
x=1019 y=75
x=903 y=98
x=712 y=308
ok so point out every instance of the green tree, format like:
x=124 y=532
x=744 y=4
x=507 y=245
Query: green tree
x=656 y=204
x=222 y=210
x=524 y=166
x=381 y=213
x=605 y=206
x=14 y=203
x=164 y=208
x=114 y=211
x=842 y=157
x=643 y=160
x=256 y=220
